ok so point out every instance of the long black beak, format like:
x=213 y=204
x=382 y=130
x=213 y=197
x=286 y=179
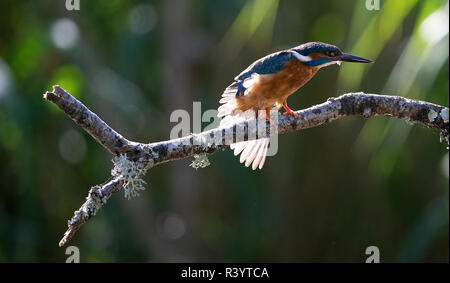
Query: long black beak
x=351 y=58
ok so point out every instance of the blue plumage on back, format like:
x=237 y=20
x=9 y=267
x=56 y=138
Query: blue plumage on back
x=266 y=65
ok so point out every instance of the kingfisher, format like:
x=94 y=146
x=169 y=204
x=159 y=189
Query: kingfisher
x=267 y=83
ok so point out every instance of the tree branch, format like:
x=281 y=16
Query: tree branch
x=97 y=197
x=149 y=155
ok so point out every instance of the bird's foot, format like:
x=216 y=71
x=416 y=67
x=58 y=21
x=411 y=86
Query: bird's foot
x=290 y=112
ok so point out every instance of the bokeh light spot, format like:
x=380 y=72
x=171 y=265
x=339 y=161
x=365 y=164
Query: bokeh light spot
x=173 y=227
x=64 y=33
x=435 y=26
x=142 y=19
x=5 y=78
x=445 y=166
x=72 y=146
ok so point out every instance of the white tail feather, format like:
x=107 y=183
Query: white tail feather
x=252 y=152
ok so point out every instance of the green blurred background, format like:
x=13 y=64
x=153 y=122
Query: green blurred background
x=328 y=194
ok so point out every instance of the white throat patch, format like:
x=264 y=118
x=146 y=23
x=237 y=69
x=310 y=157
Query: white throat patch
x=301 y=57
x=331 y=63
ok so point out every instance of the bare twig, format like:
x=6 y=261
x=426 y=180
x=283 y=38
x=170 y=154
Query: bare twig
x=149 y=155
x=97 y=197
x=89 y=121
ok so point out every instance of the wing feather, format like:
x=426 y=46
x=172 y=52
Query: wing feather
x=252 y=152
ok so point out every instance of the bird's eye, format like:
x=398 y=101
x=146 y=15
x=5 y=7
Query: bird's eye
x=331 y=54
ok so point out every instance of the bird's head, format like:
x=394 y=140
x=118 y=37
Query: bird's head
x=318 y=54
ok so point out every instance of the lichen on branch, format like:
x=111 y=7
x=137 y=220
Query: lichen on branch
x=131 y=173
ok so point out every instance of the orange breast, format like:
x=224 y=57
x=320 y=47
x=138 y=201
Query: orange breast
x=266 y=91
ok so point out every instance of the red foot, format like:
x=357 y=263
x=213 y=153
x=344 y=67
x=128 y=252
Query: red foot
x=289 y=111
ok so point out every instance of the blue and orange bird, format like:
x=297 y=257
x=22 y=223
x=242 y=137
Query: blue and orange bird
x=267 y=83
